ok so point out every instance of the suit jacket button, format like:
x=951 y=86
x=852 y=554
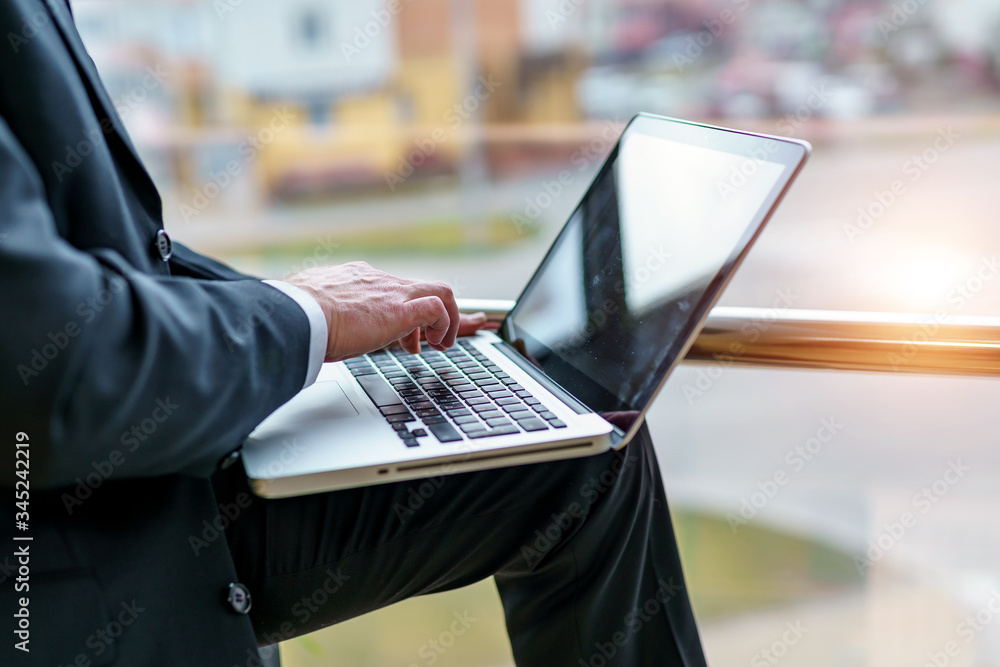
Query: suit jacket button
x=239 y=598
x=229 y=459
x=163 y=245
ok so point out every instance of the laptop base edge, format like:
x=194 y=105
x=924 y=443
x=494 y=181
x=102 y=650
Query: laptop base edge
x=334 y=480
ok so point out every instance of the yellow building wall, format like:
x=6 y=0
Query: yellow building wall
x=431 y=85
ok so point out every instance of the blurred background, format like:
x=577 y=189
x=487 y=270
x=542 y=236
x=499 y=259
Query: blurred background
x=824 y=518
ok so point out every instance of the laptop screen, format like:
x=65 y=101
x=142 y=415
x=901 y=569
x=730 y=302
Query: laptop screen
x=639 y=263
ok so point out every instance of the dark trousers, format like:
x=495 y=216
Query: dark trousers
x=582 y=551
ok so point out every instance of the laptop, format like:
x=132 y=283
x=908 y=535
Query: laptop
x=613 y=307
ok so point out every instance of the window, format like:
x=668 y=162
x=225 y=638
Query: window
x=312 y=29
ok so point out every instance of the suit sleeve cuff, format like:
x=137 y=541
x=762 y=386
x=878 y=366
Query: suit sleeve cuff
x=318 y=331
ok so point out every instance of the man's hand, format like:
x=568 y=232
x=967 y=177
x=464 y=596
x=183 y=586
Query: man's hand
x=367 y=309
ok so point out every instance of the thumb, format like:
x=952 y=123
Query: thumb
x=470 y=324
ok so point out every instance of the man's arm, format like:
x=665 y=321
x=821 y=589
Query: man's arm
x=156 y=375
x=186 y=262
x=102 y=363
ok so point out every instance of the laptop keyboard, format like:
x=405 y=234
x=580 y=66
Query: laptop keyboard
x=454 y=395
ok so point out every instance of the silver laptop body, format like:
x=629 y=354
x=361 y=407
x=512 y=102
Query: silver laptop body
x=612 y=308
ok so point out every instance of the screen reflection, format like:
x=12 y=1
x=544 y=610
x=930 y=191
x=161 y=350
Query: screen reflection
x=621 y=286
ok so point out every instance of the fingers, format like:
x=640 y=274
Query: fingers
x=444 y=294
x=411 y=341
x=430 y=313
x=455 y=319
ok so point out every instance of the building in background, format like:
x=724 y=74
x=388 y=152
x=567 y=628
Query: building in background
x=319 y=98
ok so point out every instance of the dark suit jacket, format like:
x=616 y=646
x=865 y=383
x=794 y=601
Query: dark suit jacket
x=131 y=377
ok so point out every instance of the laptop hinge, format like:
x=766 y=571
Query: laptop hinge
x=539 y=377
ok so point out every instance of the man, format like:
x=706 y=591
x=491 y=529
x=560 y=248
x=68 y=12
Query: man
x=131 y=369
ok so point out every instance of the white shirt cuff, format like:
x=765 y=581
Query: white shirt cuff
x=318 y=330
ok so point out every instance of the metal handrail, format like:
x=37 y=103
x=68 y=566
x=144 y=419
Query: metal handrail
x=830 y=339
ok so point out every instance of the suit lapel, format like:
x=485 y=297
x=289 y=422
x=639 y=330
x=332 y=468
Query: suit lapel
x=59 y=9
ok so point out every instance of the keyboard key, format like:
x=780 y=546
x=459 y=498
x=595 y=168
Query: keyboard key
x=466 y=419
x=401 y=417
x=487 y=383
x=499 y=421
x=436 y=419
x=393 y=410
x=429 y=412
x=532 y=401
x=532 y=425
x=481 y=400
x=516 y=407
x=458 y=412
x=444 y=432
x=422 y=405
x=470 y=394
x=486 y=406
x=521 y=415
x=557 y=423
x=498 y=393
x=418 y=433
x=479 y=376
x=470 y=427
x=509 y=381
x=503 y=430
x=401 y=426
x=357 y=372
x=378 y=390
x=545 y=414
x=508 y=401
x=411 y=442
x=538 y=408
x=491 y=414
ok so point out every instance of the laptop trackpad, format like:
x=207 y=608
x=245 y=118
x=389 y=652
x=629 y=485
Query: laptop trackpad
x=313 y=406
